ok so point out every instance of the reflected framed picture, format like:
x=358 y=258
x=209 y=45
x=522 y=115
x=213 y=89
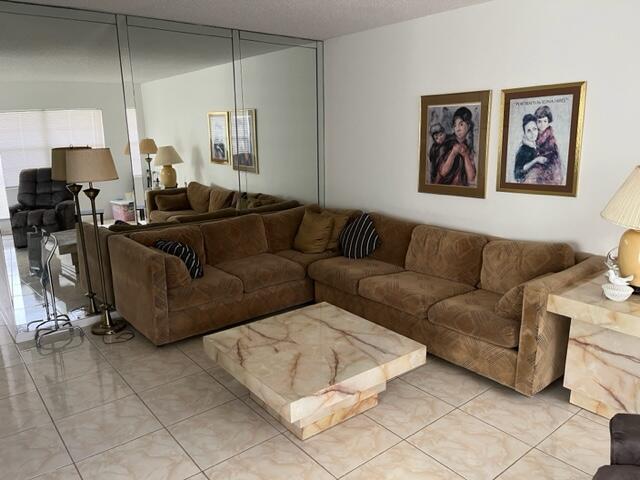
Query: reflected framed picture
x=244 y=148
x=541 y=139
x=219 y=136
x=453 y=143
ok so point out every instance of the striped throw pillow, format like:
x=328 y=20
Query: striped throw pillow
x=183 y=252
x=359 y=238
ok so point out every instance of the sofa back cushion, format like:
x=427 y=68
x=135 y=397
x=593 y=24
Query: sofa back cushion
x=173 y=202
x=447 y=254
x=189 y=235
x=281 y=228
x=234 y=238
x=37 y=190
x=198 y=196
x=220 y=198
x=395 y=236
x=508 y=263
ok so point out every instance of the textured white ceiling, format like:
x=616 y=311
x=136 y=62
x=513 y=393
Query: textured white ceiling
x=314 y=19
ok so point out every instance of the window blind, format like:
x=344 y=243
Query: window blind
x=26 y=138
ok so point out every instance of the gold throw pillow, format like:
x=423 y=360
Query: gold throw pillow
x=339 y=221
x=314 y=232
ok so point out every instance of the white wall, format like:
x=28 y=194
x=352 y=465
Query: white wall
x=15 y=96
x=281 y=86
x=373 y=84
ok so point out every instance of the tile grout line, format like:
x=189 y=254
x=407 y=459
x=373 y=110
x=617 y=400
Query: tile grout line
x=64 y=444
x=163 y=427
x=307 y=454
x=553 y=456
x=534 y=447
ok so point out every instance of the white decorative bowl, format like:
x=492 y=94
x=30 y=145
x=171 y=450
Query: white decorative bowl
x=617 y=293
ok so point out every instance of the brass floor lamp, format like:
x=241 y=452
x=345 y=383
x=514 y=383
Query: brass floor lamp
x=88 y=166
x=59 y=173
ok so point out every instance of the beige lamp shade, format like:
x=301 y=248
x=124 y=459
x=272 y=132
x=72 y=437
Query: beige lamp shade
x=148 y=146
x=59 y=162
x=90 y=165
x=624 y=207
x=167 y=156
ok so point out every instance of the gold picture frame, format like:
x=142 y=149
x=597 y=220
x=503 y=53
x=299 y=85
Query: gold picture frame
x=219 y=137
x=454 y=136
x=541 y=139
x=244 y=146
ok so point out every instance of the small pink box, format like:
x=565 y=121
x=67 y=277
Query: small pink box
x=123 y=210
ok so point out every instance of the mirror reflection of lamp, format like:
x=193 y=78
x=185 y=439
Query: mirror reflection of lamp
x=148 y=147
x=166 y=157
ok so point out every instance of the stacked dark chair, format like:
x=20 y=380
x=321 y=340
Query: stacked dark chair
x=625 y=449
x=42 y=203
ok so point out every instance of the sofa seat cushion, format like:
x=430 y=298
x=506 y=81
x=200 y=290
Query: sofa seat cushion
x=163 y=216
x=40 y=217
x=473 y=314
x=305 y=259
x=263 y=270
x=410 y=292
x=214 y=286
x=345 y=273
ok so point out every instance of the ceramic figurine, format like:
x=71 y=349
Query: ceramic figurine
x=618 y=288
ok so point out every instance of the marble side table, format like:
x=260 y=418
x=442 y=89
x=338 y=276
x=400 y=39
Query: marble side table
x=603 y=355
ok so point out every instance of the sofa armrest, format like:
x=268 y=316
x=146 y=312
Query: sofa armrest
x=625 y=439
x=140 y=287
x=13 y=209
x=66 y=214
x=152 y=194
x=544 y=335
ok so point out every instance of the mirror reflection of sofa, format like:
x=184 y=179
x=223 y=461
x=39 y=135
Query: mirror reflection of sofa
x=198 y=202
x=474 y=300
x=42 y=203
x=198 y=192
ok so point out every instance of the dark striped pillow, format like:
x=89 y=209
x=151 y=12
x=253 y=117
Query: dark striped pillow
x=359 y=238
x=183 y=252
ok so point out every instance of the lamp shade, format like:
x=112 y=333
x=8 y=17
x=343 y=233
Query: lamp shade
x=148 y=145
x=624 y=207
x=167 y=156
x=59 y=162
x=90 y=165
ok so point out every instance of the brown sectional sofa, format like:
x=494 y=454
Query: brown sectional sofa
x=477 y=301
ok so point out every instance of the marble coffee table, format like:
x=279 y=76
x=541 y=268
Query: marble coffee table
x=314 y=367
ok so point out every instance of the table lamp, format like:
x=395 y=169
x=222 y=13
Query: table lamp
x=59 y=173
x=624 y=209
x=167 y=156
x=147 y=147
x=88 y=166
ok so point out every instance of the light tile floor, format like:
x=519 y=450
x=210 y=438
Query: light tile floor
x=82 y=409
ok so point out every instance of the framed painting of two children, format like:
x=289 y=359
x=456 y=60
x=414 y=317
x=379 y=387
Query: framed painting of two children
x=541 y=138
x=453 y=143
x=539 y=149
